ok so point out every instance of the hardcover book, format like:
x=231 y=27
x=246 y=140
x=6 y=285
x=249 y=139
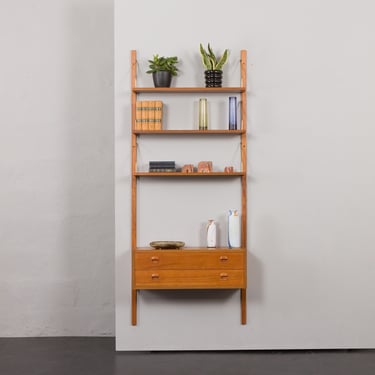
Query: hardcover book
x=149 y=115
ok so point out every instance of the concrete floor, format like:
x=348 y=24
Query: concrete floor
x=97 y=356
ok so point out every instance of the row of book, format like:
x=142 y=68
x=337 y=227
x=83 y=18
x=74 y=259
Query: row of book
x=162 y=166
x=149 y=115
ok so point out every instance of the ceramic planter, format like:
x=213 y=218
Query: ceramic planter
x=213 y=78
x=162 y=78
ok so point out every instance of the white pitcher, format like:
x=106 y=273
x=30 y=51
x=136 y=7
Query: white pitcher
x=211 y=233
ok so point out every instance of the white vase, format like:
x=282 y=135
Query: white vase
x=234 y=229
x=211 y=233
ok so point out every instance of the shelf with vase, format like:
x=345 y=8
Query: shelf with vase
x=190 y=132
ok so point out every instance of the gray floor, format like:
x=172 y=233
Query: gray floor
x=97 y=356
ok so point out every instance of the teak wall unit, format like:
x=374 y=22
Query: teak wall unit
x=189 y=268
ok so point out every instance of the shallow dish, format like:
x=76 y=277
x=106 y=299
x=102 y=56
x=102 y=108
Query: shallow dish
x=167 y=244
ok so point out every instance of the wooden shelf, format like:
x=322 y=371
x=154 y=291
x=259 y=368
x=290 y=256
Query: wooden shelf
x=191 y=132
x=193 y=249
x=180 y=174
x=222 y=90
x=188 y=267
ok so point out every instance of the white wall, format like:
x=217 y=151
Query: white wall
x=311 y=176
x=56 y=168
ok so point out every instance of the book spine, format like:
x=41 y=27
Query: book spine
x=162 y=170
x=158 y=115
x=151 y=115
x=138 y=115
x=145 y=114
x=158 y=164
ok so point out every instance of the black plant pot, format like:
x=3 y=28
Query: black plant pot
x=213 y=78
x=162 y=78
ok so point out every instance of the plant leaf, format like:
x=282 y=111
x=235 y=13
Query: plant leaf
x=212 y=55
x=223 y=59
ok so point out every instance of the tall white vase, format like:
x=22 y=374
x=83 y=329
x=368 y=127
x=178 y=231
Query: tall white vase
x=234 y=229
x=211 y=233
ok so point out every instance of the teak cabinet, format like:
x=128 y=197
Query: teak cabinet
x=190 y=268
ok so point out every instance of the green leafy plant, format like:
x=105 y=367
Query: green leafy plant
x=161 y=63
x=210 y=60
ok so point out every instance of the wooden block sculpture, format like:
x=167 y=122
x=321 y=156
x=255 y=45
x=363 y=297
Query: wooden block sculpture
x=205 y=167
x=188 y=168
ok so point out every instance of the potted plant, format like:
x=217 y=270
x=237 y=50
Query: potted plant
x=213 y=64
x=162 y=69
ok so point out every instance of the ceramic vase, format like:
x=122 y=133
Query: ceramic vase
x=211 y=233
x=234 y=229
x=232 y=113
x=203 y=116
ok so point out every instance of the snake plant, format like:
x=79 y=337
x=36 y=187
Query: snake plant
x=210 y=60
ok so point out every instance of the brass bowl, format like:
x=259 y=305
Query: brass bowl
x=167 y=244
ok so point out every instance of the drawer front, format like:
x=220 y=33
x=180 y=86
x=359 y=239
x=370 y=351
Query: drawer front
x=189 y=260
x=190 y=279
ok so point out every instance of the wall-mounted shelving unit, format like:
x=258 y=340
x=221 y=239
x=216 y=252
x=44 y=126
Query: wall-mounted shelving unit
x=199 y=267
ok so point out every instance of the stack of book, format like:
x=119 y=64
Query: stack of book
x=162 y=166
x=148 y=115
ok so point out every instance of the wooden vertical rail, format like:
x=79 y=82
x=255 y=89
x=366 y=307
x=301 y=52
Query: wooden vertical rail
x=134 y=182
x=243 y=147
x=134 y=307
x=243 y=306
x=244 y=177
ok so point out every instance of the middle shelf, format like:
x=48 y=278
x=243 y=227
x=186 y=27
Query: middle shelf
x=194 y=174
x=193 y=132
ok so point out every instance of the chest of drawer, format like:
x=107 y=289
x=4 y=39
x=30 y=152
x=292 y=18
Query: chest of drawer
x=191 y=260
x=190 y=279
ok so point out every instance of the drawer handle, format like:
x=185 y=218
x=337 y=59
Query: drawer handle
x=224 y=276
x=223 y=258
x=154 y=259
x=155 y=276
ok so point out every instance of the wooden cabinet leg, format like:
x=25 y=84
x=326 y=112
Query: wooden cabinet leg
x=243 y=306
x=134 y=307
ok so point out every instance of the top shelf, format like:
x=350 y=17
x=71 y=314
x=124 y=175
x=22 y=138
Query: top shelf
x=189 y=89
